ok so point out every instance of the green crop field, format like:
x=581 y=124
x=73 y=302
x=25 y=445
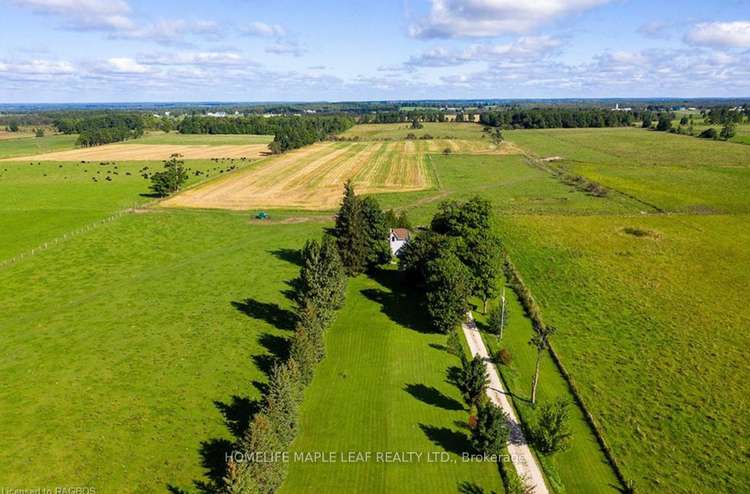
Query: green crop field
x=27 y=146
x=401 y=130
x=205 y=139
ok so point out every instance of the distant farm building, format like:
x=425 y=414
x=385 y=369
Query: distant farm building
x=398 y=238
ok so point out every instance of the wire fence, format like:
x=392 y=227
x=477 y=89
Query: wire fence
x=5 y=263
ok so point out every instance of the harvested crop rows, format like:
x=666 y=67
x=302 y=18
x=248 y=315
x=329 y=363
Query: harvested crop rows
x=151 y=152
x=312 y=178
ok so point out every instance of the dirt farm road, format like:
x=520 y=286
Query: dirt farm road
x=523 y=459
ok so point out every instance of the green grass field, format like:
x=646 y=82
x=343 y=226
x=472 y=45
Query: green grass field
x=27 y=146
x=675 y=173
x=207 y=139
x=563 y=468
x=384 y=387
x=136 y=350
x=650 y=307
x=131 y=343
x=401 y=130
x=40 y=202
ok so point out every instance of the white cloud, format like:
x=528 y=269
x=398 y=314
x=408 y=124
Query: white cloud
x=84 y=14
x=288 y=47
x=126 y=66
x=485 y=18
x=37 y=67
x=264 y=30
x=523 y=48
x=203 y=58
x=721 y=34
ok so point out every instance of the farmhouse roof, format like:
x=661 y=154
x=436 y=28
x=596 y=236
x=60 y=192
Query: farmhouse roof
x=400 y=233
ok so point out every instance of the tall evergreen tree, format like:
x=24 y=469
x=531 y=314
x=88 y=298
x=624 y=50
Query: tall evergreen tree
x=491 y=432
x=376 y=233
x=303 y=352
x=283 y=399
x=238 y=480
x=322 y=281
x=261 y=439
x=351 y=237
x=308 y=320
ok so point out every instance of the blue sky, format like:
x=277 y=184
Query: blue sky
x=253 y=50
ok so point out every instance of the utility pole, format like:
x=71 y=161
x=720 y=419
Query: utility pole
x=502 y=317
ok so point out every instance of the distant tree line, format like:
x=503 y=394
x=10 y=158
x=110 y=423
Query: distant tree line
x=290 y=132
x=295 y=132
x=554 y=118
x=424 y=115
x=102 y=129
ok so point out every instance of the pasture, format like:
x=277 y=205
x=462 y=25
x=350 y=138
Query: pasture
x=655 y=297
x=41 y=201
x=139 y=371
x=26 y=146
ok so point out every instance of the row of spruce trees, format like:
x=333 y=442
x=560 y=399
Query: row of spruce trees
x=359 y=242
x=319 y=292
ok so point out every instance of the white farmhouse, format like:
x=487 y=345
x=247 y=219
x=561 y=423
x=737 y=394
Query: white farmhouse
x=398 y=238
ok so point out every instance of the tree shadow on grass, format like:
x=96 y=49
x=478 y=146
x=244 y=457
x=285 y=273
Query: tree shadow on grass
x=238 y=413
x=432 y=396
x=466 y=487
x=292 y=256
x=398 y=302
x=448 y=439
x=271 y=313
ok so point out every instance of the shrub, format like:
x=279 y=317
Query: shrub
x=503 y=357
x=709 y=133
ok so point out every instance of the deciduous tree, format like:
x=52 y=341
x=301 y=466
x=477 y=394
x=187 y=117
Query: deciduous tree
x=552 y=432
x=448 y=286
x=540 y=341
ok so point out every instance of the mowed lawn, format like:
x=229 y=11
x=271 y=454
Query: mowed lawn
x=43 y=201
x=384 y=388
x=26 y=146
x=124 y=349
